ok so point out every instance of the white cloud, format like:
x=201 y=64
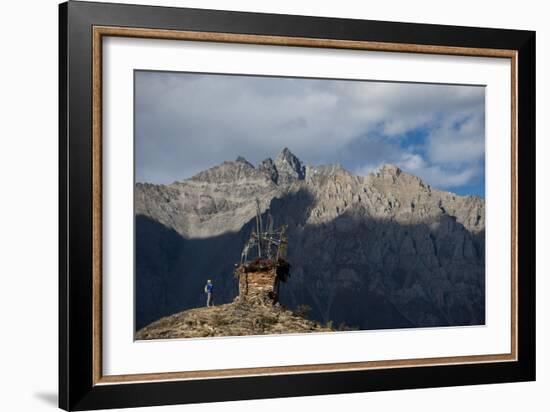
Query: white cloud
x=412 y=162
x=439 y=176
x=458 y=140
x=186 y=123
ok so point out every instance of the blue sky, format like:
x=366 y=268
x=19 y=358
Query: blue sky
x=188 y=122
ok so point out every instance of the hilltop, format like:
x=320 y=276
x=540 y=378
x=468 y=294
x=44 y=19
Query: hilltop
x=232 y=319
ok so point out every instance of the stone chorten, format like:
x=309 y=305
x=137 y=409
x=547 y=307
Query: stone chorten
x=260 y=276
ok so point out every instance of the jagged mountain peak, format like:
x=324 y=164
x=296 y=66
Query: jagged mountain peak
x=241 y=159
x=391 y=169
x=286 y=168
x=289 y=167
x=390 y=174
x=228 y=172
x=286 y=154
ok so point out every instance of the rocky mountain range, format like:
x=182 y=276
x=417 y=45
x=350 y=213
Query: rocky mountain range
x=380 y=251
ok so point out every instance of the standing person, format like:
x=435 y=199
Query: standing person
x=209 y=290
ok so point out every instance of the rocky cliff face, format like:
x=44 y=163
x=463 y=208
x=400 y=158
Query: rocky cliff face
x=379 y=251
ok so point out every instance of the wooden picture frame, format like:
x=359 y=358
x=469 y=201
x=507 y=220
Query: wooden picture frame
x=82 y=384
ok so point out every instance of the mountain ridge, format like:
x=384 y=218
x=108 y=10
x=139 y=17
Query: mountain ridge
x=389 y=234
x=216 y=186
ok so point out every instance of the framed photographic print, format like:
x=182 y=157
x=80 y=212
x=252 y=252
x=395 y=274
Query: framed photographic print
x=256 y=205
